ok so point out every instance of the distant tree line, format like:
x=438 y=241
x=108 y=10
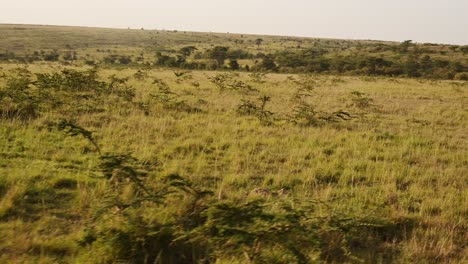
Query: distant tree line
x=406 y=60
x=318 y=60
x=365 y=64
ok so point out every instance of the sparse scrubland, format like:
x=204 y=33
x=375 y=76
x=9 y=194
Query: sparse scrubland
x=136 y=161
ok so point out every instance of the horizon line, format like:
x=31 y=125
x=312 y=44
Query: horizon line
x=212 y=32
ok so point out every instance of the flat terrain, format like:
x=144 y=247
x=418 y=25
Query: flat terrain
x=149 y=164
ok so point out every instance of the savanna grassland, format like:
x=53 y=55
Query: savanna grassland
x=141 y=146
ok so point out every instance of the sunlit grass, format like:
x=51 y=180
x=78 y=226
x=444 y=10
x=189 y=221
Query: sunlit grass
x=406 y=154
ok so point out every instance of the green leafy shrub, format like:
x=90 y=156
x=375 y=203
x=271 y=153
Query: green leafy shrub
x=68 y=92
x=220 y=80
x=305 y=113
x=258 y=77
x=462 y=76
x=70 y=80
x=241 y=86
x=360 y=100
x=170 y=100
x=248 y=107
x=18 y=99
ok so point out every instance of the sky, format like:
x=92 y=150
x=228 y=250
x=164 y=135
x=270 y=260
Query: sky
x=436 y=21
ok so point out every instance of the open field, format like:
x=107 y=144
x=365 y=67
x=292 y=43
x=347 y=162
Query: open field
x=214 y=51
x=141 y=163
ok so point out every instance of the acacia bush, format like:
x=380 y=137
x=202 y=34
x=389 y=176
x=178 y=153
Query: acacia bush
x=463 y=76
x=67 y=92
x=248 y=107
x=18 y=99
x=220 y=80
x=145 y=178
x=305 y=113
x=170 y=100
x=258 y=77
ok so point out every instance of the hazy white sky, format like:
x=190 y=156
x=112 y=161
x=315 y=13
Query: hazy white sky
x=440 y=21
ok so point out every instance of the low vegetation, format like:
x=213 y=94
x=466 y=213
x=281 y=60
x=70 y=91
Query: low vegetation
x=104 y=163
x=183 y=50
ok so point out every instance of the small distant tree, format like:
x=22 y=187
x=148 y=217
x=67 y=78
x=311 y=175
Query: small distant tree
x=187 y=51
x=219 y=54
x=453 y=48
x=463 y=76
x=234 y=65
x=53 y=56
x=259 y=42
x=426 y=64
x=268 y=64
x=68 y=56
x=411 y=67
x=404 y=46
x=464 y=49
x=125 y=60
